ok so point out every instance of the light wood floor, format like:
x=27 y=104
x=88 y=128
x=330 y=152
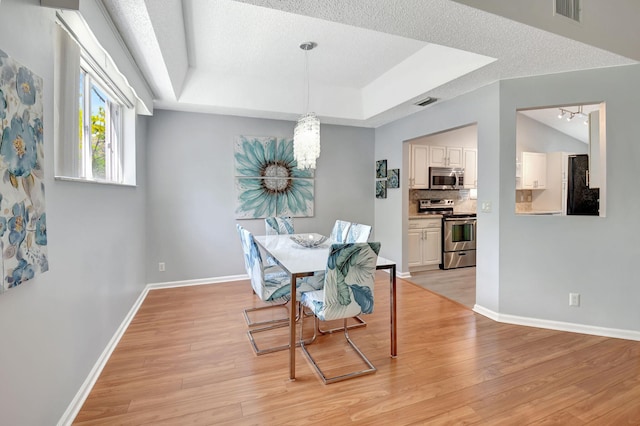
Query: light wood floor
x=185 y=359
x=457 y=284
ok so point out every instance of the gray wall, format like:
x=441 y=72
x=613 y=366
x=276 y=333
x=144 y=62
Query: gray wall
x=54 y=327
x=545 y=258
x=191 y=195
x=481 y=107
x=527 y=265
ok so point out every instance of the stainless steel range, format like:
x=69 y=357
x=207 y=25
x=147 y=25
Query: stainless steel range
x=458 y=233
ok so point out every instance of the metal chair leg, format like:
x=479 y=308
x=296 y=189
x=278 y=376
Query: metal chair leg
x=360 y=323
x=254 y=345
x=261 y=308
x=254 y=331
x=327 y=380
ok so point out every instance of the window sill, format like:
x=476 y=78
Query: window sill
x=94 y=181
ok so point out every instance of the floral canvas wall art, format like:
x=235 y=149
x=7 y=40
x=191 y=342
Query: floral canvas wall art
x=268 y=183
x=23 y=228
x=393 y=181
x=381 y=188
x=381 y=169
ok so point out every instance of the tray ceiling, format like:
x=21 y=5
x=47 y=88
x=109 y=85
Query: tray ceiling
x=375 y=58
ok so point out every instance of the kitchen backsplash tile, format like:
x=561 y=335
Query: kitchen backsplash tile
x=461 y=198
x=523 y=200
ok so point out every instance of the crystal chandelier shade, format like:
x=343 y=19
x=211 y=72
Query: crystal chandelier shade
x=306 y=141
x=306 y=135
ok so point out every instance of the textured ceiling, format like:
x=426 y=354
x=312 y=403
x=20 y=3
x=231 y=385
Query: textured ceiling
x=374 y=58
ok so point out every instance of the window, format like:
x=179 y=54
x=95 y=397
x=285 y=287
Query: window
x=95 y=112
x=100 y=130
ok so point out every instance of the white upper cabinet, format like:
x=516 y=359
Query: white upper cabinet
x=533 y=171
x=470 y=168
x=419 y=176
x=445 y=156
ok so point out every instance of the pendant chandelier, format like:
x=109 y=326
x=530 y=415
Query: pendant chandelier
x=306 y=135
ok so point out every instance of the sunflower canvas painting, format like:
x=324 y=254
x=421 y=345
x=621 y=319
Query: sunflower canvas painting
x=23 y=228
x=268 y=183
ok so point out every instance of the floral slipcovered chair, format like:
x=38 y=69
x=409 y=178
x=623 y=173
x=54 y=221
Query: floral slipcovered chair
x=272 y=285
x=278 y=225
x=348 y=292
x=340 y=231
x=358 y=233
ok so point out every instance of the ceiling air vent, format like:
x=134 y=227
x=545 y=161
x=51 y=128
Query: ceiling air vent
x=426 y=101
x=569 y=9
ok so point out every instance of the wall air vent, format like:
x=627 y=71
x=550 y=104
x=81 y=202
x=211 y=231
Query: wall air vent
x=569 y=9
x=426 y=101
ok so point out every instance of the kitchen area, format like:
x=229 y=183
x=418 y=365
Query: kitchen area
x=560 y=159
x=442 y=213
x=560 y=171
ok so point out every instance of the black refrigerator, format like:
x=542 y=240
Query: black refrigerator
x=581 y=200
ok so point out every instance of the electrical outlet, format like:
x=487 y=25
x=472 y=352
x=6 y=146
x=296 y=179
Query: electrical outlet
x=161 y=266
x=486 y=206
x=574 y=299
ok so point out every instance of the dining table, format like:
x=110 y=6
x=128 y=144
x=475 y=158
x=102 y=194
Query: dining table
x=300 y=261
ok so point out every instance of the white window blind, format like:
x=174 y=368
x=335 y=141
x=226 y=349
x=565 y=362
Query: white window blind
x=93 y=101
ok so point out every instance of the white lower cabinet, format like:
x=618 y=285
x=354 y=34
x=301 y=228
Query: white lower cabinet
x=425 y=243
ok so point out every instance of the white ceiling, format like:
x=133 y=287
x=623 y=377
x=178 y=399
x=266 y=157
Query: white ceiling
x=374 y=60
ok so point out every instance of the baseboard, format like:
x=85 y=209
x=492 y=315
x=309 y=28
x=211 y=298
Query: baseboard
x=201 y=281
x=403 y=275
x=558 y=325
x=76 y=404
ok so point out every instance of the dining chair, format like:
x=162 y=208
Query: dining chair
x=271 y=285
x=275 y=225
x=358 y=233
x=347 y=292
x=355 y=233
x=340 y=231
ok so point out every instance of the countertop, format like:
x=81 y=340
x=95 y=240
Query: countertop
x=435 y=216
x=539 y=213
x=425 y=216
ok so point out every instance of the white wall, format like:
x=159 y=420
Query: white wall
x=191 y=196
x=466 y=137
x=54 y=327
x=533 y=136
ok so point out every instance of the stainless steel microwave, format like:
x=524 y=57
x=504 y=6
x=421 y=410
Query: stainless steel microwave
x=446 y=178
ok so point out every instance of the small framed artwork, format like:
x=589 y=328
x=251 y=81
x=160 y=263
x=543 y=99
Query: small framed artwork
x=393 y=179
x=381 y=169
x=381 y=189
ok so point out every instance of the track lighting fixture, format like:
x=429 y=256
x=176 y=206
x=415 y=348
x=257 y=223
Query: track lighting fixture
x=569 y=115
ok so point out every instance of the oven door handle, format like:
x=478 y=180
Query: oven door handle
x=461 y=221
